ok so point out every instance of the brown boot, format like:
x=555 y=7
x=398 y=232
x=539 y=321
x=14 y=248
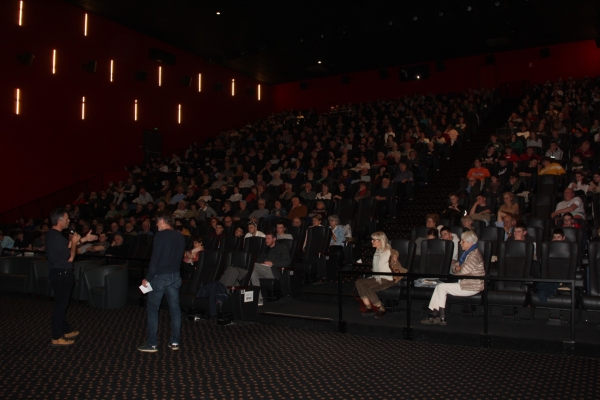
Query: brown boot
x=61 y=342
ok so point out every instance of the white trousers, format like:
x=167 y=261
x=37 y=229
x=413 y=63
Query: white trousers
x=438 y=300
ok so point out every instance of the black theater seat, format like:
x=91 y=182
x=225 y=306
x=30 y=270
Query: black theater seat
x=436 y=258
x=406 y=251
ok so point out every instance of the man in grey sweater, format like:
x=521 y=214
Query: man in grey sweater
x=268 y=262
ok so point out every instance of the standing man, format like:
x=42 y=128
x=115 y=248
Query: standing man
x=163 y=276
x=61 y=253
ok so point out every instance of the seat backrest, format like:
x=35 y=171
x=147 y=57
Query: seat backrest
x=230 y=243
x=594 y=266
x=543 y=223
x=575 y=235
x=417 y=232
x=406 y=252
x=485 y=248
x=296 y=232
x=210 y=242
x=207 y=267
x=543 y=205
x=243 y=260
x=344 y=208
x=494 y=235
x=547 y=184
x=317 y=241
x=254 y=245
x=203 y=230
x=436 y=256
x=290 y=244
x=559 y=260
x=537 y=234
x=366 y=209
x=445 y=222
x=141 y=247
x=514 y=261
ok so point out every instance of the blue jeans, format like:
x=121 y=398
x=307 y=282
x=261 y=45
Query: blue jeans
x=168 y=284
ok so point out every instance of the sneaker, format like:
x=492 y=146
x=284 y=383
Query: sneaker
x=434 y=321
x=61 y=342
x=146 y=348
x=173 y=346
x=71 y=335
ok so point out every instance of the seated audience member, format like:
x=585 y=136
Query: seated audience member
x=508 y=207
x=529 y=155
x=480 y=210
x=97 y=248
x=469 y=264
x=191 y=256
x=385 y=197
x=454 y=210
x=319 y=209
x=205 y=212
x=558 y=235
x=342 y=193
x=404 y=182
x=307 y=193
x=467 y=223
x=478 y=172
x=554 y=152
x=298 y=210
x=226 y=210
x=179 y=227
x=6 y=242
x=113 y=212
x=178 y=196
x=569 y=222
x=181 y=210
x=20 y=241
x=493 y=188
x=362 y=193
x=324 y=194
x=277 y=212
x=578 y=164
x=580 y=185
x=431 y=222
x=297 y=222
x=447 y=234
x=242 y=213
x=253 y=231
x=276 y=181
x=143 y=198
x=219 y=232
x=146 y=228
x=570 y=204
x=337 y=232
x=549 y=167
x=274 y=256
x=117 y=248
x=261 y=211
x=508 y=155
x=281 y=234
x=383 y=261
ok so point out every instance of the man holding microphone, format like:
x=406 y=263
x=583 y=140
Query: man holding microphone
x=163 y=278
x=60 y=253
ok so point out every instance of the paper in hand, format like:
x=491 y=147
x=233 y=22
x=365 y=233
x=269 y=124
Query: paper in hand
x=146 y=289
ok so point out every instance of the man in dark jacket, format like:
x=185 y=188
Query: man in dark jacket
x=273 y=257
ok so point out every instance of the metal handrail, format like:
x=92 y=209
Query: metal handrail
x=485 y=278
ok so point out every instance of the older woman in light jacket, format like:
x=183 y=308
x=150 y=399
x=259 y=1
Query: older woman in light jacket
x=368 y=287
x=469 y=264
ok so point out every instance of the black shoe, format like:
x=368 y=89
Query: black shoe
x=173 y=346
x=146 y=348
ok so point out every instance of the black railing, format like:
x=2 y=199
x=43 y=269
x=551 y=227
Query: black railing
x=410 y=278
x=78 y=257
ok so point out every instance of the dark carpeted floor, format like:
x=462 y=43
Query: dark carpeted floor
x=260 y=361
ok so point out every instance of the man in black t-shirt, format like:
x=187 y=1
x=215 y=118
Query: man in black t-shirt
x=61 y=253
x=163 y=277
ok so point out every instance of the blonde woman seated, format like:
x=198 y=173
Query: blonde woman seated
x=508 y=208
x=368 y=287
x=469 y=264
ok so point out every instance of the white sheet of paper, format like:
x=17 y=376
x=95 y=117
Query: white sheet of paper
x=146 y=289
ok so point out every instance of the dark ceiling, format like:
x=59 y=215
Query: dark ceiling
x=283 y=41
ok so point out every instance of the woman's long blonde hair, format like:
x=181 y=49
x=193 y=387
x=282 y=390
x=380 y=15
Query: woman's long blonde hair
x=385 y=244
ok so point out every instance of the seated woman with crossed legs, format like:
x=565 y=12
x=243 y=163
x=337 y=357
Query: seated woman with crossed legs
x=367 y=287
x=469 y=264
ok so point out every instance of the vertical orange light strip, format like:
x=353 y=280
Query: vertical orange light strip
x=179 y=114
x=233 y=87
x=83 y=108
x=18 y=102
x=111 y=69
x=135 y=111
x=85 y=25
x=53 y=61
x=199 y=82
x=159 y=76
x=258 y=92
x=21 y=13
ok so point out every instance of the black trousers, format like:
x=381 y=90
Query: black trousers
x=62 y=284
